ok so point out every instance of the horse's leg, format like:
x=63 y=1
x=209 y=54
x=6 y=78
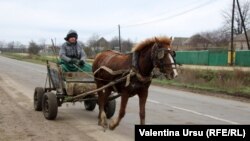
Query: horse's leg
x=142 y=102
x=115 y=122
x=101 y=108
x=102 y=97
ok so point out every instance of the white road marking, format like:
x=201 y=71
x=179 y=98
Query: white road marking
x=193 y=112
x=153 y=101
x=205 y=115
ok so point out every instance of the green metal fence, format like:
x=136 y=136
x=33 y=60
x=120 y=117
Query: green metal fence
x=192 y=57
x=242 y=58
x=217 y=58
x=207 y=57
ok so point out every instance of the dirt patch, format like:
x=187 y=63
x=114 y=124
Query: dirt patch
x=20 y=122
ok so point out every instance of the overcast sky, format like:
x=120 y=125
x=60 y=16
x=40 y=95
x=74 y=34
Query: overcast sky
x=26 y=20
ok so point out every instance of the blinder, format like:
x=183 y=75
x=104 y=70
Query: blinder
x=159 y=53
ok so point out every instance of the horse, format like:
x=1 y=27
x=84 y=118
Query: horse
x=149 y=54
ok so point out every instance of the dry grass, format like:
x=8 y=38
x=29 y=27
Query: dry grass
x=233 y=82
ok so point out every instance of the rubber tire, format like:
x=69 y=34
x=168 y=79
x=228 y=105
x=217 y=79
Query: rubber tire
x=50 y=106
x=90 y=105
x=110 y=108
x=38 y=98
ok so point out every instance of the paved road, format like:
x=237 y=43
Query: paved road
x=18 y=120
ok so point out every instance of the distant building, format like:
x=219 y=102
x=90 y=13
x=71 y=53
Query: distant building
x=102 y=44
x=240 y=42
x=198 y=41
x=179 y=43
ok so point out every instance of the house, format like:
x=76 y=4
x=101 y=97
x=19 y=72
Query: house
x=102 y=44
x=240 y=42
x=179 y=43
x=198 y=41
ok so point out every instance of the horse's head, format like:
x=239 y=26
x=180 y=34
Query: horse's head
x=164 y=58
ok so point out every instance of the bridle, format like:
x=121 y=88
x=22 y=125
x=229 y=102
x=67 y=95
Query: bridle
x=158 y=53
x=159 y=65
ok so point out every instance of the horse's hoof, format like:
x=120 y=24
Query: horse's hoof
x=112 y=125
x=105 y=128
x=104 y=124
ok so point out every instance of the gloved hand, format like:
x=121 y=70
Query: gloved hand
x=74 y=61
x=81 y=63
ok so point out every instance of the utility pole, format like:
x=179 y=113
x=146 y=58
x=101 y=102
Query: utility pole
x=120 y=48
x=232 y=35
x=232 y=30
x=243 y=24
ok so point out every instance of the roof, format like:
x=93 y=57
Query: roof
x=179 y=40
x=241 y=37
x=102 y=39
x=197 y=38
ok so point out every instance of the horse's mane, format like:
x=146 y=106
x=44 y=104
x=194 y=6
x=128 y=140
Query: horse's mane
x=150 y=41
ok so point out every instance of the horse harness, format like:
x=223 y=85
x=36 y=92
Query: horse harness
x=157 y=54
x=133 y=71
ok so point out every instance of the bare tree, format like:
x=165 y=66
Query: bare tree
x=34 y=48
x=218 y=37
x=42 y=43
x=11 y=45
x=127 y=45
x=2 y=44
x=227 y=14
x=89 y=52
x=198 y=41
x=82 y=45
x=92 y=42
x=114 y=43
x=17 y=44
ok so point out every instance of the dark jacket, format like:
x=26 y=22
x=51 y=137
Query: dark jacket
x=69 y=51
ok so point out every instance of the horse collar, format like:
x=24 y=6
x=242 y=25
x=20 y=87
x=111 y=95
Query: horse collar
x=135 y=59
x=136 y=69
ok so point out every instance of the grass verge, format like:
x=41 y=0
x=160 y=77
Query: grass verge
x=38 y=59
x=234 y=83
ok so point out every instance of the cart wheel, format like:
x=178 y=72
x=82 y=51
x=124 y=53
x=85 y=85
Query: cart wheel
x=110 y=108
x=50 y=106
x=90 y=104
x=38 y=97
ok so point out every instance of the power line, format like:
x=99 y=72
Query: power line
x=170 y=17
x=163 y=12
x=161 y=19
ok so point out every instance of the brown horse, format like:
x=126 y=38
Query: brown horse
x=151 y=53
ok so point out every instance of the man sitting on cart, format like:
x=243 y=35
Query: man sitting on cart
x=72 y=55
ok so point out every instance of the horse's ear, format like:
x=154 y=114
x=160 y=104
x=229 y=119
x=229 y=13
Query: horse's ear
x=171 y=38
x=156 y=40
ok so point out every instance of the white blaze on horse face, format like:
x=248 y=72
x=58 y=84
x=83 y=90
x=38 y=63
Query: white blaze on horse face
x=173 y=64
